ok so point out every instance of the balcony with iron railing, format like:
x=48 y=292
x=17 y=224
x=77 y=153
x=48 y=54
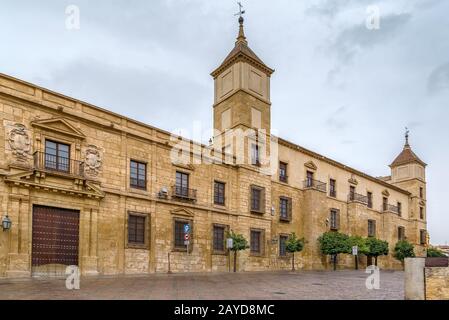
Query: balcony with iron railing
x=390 y=208
x=283 y=178
x=59 y=165
x=360 y=198
x=315 y=184
x=183 y=193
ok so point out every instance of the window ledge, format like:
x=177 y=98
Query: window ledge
x=137 y=246
x=219 y=253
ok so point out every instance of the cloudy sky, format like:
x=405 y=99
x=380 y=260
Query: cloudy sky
x=339 y=88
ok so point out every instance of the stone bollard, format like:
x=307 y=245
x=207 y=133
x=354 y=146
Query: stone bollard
x=414 y=278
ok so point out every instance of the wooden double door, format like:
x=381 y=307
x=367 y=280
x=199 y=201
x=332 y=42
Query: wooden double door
x=55 y=239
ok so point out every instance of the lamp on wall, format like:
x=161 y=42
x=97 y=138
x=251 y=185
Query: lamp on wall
x=6 y=223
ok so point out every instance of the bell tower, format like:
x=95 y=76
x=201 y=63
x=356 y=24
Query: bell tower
x=408 y=172
x=242 y=89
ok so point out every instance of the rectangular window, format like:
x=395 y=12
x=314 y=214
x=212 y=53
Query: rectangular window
x=371 y=228
x=255 y=160
x=399 y=209
x=182 y=184
x=401 y=233
x=57 y=156
x=332 y=188
x=256 y=242
x=309 y=181
x=138 y=175
x=285 y=208
x=421 y=192
x=384 y=204
x=421 y=212
x=334 y=219
x=219 y=238
x=136 y=229
x=282 y=245
x=179 y=234
x=351 y=193
x=219 y=193
x=422 y=237
x=370 y=199
x=257 y=199
x=282 y=172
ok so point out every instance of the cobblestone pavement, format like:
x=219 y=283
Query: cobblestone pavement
x=197 y=286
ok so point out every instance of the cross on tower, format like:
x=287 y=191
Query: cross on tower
x=241 y=12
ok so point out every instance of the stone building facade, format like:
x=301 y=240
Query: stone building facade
x=85 y=186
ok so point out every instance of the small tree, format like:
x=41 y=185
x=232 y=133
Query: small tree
x=362 y=247
x=403 y=249
x=376 y=248
x=435 y=253
x=292 y=245
x=238 y=243
x=334 y=243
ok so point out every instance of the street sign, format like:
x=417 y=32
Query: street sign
x=229 y=243
x=186 y=228
x=355 y=250
x=186 y=237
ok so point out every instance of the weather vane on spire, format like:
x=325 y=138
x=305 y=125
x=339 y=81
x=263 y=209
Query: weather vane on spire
x=241 y=12
x=407 y=132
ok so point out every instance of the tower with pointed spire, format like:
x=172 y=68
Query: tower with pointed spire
x=408 y=172
x=242 y=88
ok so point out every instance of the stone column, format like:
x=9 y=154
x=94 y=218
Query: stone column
x=414 y=278
x=89 y=234
x=18 y=264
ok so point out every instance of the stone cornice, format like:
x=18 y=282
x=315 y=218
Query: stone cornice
x=340 y=165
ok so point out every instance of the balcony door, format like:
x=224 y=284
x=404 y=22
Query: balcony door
x=309 y=179
x=57 y=156
x=182 y=184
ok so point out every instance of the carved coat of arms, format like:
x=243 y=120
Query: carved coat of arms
x=92 y=161
x=19 y=142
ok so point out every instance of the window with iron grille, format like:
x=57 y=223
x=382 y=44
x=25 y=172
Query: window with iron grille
x=282 y=172
x=136 y=229
x=57 y=156
x=371 y=228
x=219 y=193
x=256 y=242
x=401 y=233
x=422 y=237
x=257 y=199
x=282 y=245
x=332 y=188
x=421 y=212
x=219 y=238
x=334 y=219
x=138 y=175
x=399 y=209
x=285 y=208
x=370 y=199
x=179 y=233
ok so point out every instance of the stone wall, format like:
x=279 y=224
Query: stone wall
x=437 y=283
